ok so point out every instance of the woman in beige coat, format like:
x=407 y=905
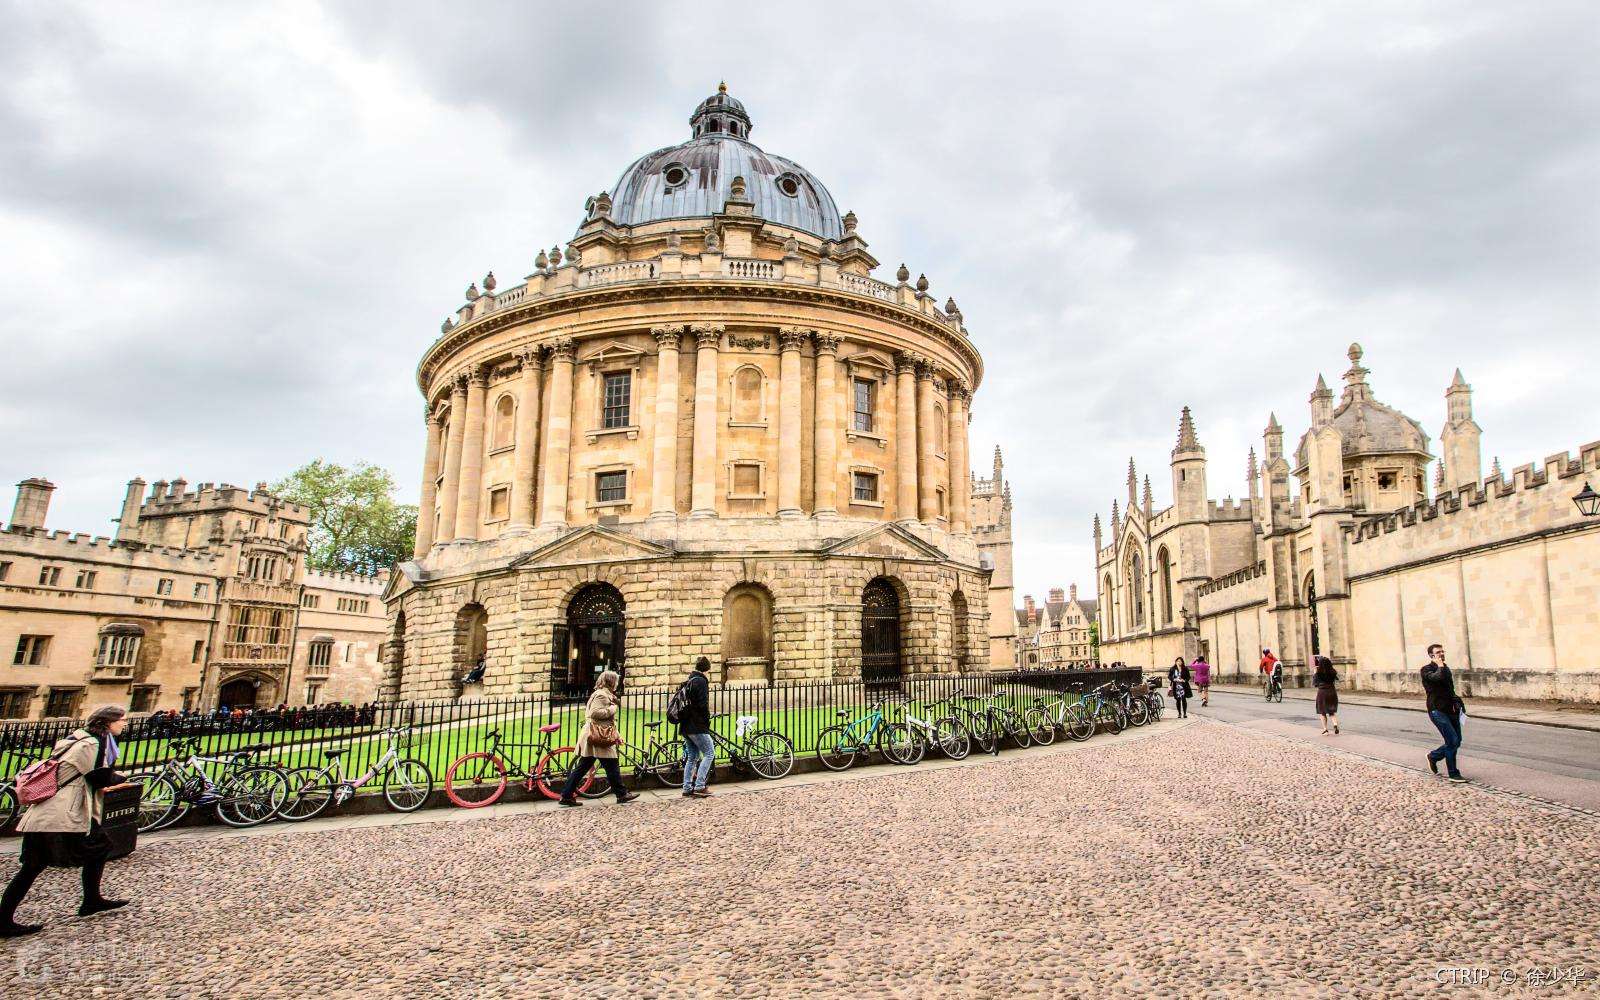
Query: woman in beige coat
x=64 y=830
x=601 y=713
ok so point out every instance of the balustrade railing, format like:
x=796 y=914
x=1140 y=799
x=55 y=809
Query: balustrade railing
x=739 y=267
x=610 y=274
x=868 y=286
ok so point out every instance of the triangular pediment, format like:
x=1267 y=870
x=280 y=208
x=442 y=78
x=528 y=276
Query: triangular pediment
x=612 y=353
x=403 y=578
x=870 y=363
x=885 y=541
x=592 y=544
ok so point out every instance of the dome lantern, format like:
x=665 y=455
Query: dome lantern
x=720 y=113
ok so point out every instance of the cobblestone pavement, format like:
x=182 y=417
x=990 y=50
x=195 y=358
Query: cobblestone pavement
x=1206 y=861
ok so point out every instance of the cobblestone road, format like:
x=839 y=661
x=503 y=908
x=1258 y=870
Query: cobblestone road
x=1207 y=861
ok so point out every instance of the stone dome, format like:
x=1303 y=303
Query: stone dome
x=1366 y=426
x=694 y=179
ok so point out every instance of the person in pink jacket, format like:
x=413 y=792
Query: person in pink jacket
x=1200 y=670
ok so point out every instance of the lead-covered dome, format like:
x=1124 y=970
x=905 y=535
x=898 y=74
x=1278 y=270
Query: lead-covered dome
x=1366 y=426
x=693 y=180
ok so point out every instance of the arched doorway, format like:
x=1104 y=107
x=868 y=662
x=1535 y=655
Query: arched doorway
x=880 y=634
x=472 y=643
x=238 y=693
x=589 y=643
x=395 y=661
x=1311 y=614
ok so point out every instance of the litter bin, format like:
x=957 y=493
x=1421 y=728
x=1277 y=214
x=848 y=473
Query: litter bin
x=119 y=819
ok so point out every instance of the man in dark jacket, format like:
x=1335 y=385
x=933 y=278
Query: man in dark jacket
x=694 y=725
x=1445 y=709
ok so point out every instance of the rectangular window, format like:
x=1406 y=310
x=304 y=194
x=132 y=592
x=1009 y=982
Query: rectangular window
x=610 y=487
x=347 y=647
x=31 y=650
x=321 y=654
x=5 y=571
x=312 y=690
x=144 y=699
x=117 y=651
x=310 y=600
x=164 y=586
x=865 y=486
x=49 y=576
x=62 y=703
x=864 y=391
x=618 y=390
x=940 y=494
x=202 y=590
x=746 y=479
x=1388 y=479
x=85 y=579
x=14 y=703
x=199 y=647
x=255 y=526
x=500 y=503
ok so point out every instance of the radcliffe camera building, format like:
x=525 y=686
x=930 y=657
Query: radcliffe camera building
x=1342 y=549
x=702 y=428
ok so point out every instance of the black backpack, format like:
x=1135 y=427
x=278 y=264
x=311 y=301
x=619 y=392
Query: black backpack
x=679 y=703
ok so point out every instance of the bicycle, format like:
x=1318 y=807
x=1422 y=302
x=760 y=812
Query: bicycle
x=662 y=758
x=9 y=806
x=1274 y=688
x=1069 y=717
x=1003 y=722
x=1135 y=706
x=1041 y=726
x=407 y=782
x=946 y=732
x=975 y=723
x=1158 y=704
x=478 y=779
x=246 y=794
x=840 y=745
x=766 y=753
x=1104 y=710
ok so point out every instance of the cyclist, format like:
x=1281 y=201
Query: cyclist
x=1269 y=664
x=1275 y=677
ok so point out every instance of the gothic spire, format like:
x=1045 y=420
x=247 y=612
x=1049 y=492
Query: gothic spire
x=1133 y=484
x=1147 y=495
x=1187 y=441
x=1250 y=467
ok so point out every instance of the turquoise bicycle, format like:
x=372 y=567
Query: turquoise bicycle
x=840 y=746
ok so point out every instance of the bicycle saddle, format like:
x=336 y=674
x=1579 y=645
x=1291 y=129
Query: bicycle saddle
x=552 y=727
x=652 y=725
x=843 y=713
x=331 y=754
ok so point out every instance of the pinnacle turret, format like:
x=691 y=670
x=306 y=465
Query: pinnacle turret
x=1187 y=439
x=1147 y=495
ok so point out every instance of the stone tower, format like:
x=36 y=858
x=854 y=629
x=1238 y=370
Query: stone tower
x=1459 y=442
x=1189 y=508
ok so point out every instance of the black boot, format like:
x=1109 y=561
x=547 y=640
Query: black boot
x=92 y=906
x=11 y=929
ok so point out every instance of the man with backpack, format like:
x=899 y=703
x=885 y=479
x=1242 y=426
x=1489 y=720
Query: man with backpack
x=690 y=708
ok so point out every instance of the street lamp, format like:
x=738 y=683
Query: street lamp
x=1588 y=501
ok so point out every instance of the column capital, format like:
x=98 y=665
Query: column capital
x=560 y=348
x=791 y=337
x=927 y=369
x=668 y=336
x=906 y=362
x=707 y=335
x=458 y=383
x=478 y=374
x=827 y=343
x=530 y=358
x=960 y=389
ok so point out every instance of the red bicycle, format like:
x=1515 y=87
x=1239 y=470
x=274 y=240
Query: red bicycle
x=478 y=779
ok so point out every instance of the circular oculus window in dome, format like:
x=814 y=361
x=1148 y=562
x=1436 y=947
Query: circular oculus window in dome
x=675 y=174
x=789 y=185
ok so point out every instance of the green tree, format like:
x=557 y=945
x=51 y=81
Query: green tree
x=356 y=525
x=1094 y=639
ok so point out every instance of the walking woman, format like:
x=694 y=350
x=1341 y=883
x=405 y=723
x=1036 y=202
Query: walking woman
x=63 y=831
x=1324 y=679
x=597 y=741
x=1178 y=677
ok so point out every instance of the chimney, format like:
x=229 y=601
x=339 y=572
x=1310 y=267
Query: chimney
x=178 y=486
x=1074 y=591
x=33 y=502
x=1057 y=595
x=1027 y=604
x=128 y=523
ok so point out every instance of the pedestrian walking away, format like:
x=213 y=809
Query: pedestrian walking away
x=63 y=830
x=1178 y=680
x=694 y=725
x=1201 y=670
x=1446 y=709
x=598 y=740
x=1324 y=679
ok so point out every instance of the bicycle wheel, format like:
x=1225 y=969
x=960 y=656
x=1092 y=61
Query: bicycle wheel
x=251 y=796
x=307 y=792
x=771 y=754
x=1080 y=724
x=1016 y=729
x=550 y=777
x=666 y=763
x=1277 y=693
x=951 y=737
x=407 y=785
x=836 y=748
x=899 y=745
x=1138 y=711
x=982 y=733
x=475 y=780
x=158 y=799
x=1040 y=726
x=9 y=806
x=1158 y=705
x=1110 y=717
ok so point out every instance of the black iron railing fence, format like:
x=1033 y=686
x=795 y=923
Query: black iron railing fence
x=437 y=732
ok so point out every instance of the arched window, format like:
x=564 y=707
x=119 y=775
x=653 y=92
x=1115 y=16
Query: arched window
x=1165 y=562
x=505 y=422
x=941 y=430
x=1108 y=614
x=747 y=383
x=472 y=643
x=1136 y=585
x=747 y=633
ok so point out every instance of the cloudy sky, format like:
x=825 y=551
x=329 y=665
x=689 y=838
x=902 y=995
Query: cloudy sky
x=228 y=233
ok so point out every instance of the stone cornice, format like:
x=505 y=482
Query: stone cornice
x=691 y=289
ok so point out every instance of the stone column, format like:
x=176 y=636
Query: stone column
x=927 y=443
x=524 y=461
x=664 y=460
x=558 y=434
x=825 y=466
x=430 y=485
x=452 y=460
x=905 y=437
x=708 y=341
x=960 y=477
x=789 y=340
x=468 y=521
